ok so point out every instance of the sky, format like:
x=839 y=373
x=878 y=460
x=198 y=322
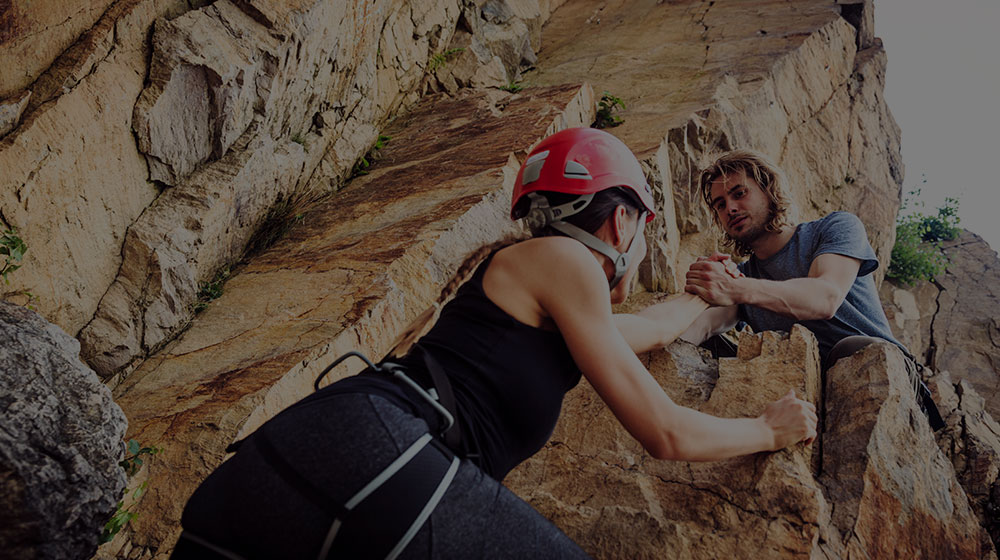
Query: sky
x=943 y=88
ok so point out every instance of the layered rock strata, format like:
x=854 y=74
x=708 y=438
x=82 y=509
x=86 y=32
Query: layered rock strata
x=349 y=277
x=60 y=443
x=139 y=159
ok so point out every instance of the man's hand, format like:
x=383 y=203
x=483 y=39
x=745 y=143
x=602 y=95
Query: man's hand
x=726 y=260
x=714 y=279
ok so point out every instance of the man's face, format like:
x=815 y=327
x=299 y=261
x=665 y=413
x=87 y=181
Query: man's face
x=741 y=206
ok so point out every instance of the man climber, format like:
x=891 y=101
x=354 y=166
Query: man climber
x=817 y=274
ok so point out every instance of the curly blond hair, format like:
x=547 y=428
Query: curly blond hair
x=761 y=169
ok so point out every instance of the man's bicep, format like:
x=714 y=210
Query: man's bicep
x=838 y=270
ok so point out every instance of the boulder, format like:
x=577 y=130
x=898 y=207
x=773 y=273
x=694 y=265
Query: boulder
x=893 y=493
x=59 y=446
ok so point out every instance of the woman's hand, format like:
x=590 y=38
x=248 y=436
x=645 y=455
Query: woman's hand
x=791 y=420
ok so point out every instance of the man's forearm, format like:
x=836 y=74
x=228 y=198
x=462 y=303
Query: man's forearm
x=798 y=298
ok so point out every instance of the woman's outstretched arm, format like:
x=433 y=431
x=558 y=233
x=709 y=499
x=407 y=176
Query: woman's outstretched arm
x=660 y=324
x=572 y=289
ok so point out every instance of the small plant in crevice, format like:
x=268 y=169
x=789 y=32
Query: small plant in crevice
x=373 y=154
x=606 y=109
x=134 y=452
x=512 y=87
x=283 y=215
x=299 y=139
x=12 y=249
x=131 y=464
x=917 y=253
x=211 y=290
x=440 y=59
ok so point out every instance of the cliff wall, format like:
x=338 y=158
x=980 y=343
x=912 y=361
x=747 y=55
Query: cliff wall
x=378 y=143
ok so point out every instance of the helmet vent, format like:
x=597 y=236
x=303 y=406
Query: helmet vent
x=533 y=167
x=576 y=170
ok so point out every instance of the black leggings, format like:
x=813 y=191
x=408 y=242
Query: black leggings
x=339 y=444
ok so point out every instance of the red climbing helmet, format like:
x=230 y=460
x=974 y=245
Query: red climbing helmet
x=580 y=161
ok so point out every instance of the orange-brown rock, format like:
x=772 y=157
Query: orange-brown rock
x=233 y=104
x=893 y=493
x=883 y=488
x=359 y=266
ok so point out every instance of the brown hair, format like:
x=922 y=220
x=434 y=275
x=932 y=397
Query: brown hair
x=761 y=169
x=589 y=219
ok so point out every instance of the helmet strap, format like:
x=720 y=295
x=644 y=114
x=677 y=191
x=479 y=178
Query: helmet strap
x=541 y=213
x=620 y=260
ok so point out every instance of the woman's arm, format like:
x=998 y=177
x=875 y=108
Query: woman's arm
x=572 y=289
x=658 y=325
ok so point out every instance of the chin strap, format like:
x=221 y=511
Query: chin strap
x=541 y=214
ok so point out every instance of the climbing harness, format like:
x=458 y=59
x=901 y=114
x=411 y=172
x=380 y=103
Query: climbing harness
x=396 y=502
x=440 y=397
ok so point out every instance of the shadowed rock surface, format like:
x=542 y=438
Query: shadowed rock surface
x=60 y=443
x=972 y=442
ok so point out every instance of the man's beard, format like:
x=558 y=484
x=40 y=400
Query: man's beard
x=751 y=233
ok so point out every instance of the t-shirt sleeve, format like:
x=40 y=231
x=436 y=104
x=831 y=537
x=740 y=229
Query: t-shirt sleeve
x=842 y=233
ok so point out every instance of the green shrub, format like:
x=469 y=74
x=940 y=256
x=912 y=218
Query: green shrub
x=440 y=59
x=12 y=249
x=123 y=513
x=917 y=253
x=606 y=109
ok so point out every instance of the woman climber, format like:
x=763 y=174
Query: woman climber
x=405 y=459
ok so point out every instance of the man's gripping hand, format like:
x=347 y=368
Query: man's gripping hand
x=715 y=279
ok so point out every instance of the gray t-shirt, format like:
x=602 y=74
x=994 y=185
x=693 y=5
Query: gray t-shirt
x=861 y=313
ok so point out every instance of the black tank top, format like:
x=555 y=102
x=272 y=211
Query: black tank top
x=509 y=378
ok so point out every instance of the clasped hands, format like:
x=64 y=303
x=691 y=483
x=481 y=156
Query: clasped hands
x=714 y=279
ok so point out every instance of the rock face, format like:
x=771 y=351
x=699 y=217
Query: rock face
x=59 y=446
x=878 y=492
x=150 y=140
x=893 y=493
x=129 y=193
x=953 y=323
x=350 y=277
